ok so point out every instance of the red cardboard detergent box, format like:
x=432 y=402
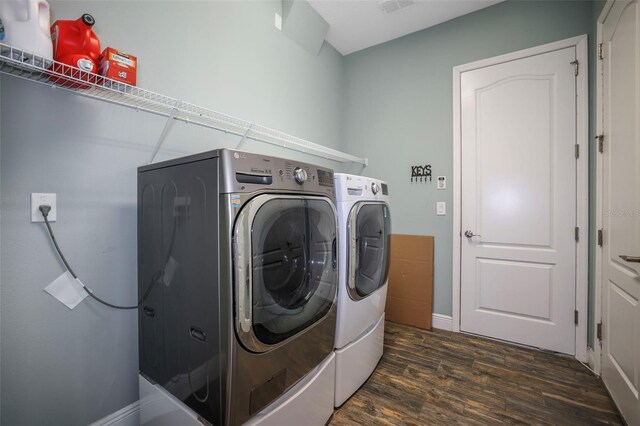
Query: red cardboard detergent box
x=118 y=65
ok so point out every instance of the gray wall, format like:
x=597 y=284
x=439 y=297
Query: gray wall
x=63 y=367
x=398 y=105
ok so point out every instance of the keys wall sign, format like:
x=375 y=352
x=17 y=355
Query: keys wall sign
x=421 y=172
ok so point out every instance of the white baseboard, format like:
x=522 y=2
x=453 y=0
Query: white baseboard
x=126 y=416
x=442 y=322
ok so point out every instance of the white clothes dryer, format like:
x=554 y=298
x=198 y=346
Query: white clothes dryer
x=364 y=229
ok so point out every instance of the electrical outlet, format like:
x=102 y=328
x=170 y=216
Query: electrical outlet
x=38 y=199
x=441 y=208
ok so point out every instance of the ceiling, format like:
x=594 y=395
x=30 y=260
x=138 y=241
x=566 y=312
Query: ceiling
x=358 y=24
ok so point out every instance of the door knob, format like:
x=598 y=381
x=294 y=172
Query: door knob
x=630 y=259
x=470 y=234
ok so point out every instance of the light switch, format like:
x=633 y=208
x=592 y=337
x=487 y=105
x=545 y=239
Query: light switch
x=278 y=21
x=441 y=208
x=442 y=182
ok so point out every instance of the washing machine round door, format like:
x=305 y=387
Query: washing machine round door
x=369 y=233
x=285 y=267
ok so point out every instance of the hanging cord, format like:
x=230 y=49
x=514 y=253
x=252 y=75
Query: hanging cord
x=45 y=209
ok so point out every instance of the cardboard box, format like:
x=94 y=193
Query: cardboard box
x=118 y=66
x=410 y=293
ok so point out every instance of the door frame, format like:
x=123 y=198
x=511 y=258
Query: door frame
x=598 y=250
x=582 y=178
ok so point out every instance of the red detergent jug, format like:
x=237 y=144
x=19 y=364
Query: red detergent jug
x=75 y=44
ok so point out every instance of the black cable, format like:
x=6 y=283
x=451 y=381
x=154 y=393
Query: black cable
x=45 y=214
x=44 y=209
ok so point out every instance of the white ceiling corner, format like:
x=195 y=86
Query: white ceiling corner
x=357 y=24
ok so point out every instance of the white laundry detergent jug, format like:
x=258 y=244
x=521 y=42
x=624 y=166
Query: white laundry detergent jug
x=27 y=27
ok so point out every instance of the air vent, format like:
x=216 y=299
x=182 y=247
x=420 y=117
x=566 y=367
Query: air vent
x=390 y=6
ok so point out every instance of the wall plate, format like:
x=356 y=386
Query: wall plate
x=278 y=21
x=38 y=199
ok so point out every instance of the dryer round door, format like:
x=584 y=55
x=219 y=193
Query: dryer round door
x=368 y=258
x=285 y=269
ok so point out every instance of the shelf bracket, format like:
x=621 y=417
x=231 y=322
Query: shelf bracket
x=163 y=135
x=244 y=137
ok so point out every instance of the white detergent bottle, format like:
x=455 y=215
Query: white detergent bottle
x=27 y=27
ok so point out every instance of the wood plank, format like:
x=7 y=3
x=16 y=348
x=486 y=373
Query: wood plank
x=443 y=378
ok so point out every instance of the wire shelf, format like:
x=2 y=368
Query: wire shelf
x=21 y=64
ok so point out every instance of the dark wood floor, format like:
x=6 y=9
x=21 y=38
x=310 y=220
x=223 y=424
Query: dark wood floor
x=442 y=378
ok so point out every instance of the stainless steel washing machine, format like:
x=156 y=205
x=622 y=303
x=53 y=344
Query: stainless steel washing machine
x=238 y=277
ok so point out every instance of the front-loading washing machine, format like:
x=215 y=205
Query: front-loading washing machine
x=365 y=227
x=238 y=279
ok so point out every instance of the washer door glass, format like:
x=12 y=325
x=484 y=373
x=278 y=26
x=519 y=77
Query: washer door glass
x=370 y=228
x=293 y=265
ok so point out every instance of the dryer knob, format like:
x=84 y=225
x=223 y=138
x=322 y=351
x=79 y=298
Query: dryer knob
x=374 y=188
x=300 y=175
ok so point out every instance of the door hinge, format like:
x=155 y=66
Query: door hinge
x=577 y=234
x=577 y=151
x=600 y=51
x=576 y=65
x=600 y=139
x=600 y=237
x=599 y=331
x=575 y=316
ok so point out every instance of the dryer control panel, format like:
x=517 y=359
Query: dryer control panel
x=354 y=188
x=243 y=172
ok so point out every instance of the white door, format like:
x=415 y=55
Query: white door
x=519 y=201
x=621 y=204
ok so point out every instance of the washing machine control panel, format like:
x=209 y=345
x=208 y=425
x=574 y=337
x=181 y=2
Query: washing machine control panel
x=247 y=172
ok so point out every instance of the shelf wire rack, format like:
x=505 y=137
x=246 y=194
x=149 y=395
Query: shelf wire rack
x=19 y=63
